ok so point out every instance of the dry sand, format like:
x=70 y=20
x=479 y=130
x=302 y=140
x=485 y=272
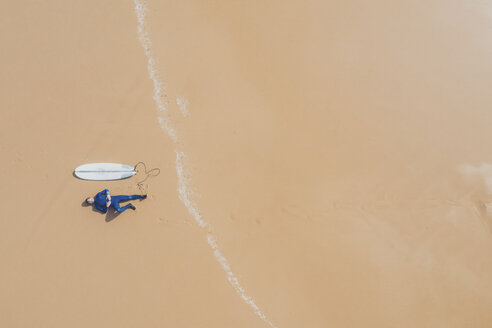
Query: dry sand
x=334 y=149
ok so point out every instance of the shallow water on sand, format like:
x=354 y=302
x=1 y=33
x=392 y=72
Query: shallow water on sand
x=338 y=152
x=326 y=142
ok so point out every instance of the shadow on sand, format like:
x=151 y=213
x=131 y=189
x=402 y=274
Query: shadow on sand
x=111 y=214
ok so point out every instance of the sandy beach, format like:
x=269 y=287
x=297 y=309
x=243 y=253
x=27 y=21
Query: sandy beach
x=322 y=163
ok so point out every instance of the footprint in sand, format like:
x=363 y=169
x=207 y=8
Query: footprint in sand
x=485 y=210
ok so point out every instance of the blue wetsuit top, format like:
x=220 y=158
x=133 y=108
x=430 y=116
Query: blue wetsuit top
x=100 y=200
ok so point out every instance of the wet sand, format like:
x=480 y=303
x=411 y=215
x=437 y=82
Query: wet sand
x=334 y=150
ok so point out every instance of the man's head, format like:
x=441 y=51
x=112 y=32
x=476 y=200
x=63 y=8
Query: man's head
x=90 y=200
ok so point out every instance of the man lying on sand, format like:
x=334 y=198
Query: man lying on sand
x=103 y=201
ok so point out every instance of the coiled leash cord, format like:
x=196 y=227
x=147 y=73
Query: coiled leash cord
x=150 y=173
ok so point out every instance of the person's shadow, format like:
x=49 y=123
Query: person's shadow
x=111 y=214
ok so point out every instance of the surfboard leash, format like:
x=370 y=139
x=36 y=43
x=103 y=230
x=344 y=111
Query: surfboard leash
x=150 y=173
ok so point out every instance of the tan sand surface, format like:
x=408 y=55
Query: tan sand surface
x=337 y=151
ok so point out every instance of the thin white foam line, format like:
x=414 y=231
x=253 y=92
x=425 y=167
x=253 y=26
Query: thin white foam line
x=234 y=281
x=182 y=105
x=183 y=190
x=159 y=94
x=184 y=195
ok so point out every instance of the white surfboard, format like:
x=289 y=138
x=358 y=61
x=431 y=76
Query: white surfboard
x=104 y=171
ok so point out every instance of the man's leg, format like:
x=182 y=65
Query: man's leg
x=124 y=208
x=122 y=198
x=115 y=201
